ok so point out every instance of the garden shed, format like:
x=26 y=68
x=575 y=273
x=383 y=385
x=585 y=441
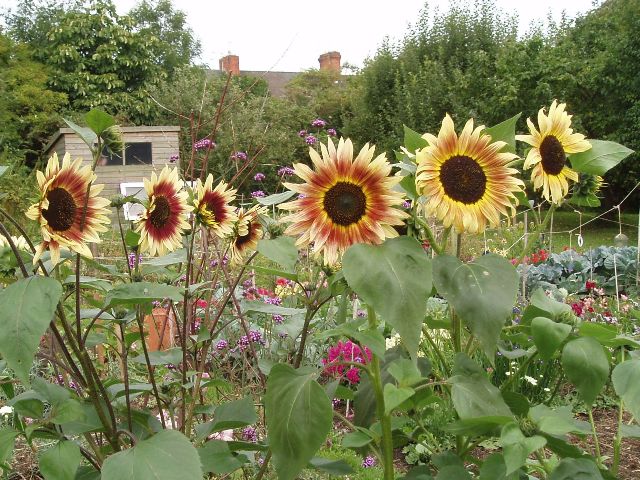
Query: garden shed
x=146 y=148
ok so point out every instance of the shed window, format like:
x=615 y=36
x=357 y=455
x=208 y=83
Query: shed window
x=135 y=153
x=132 y=211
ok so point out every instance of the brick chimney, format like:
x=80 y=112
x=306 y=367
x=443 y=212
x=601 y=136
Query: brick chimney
x=330 y=61
x=230 y=63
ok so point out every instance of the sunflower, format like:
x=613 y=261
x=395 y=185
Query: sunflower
x=548 y=155
x=248 y=231
x=212 y=207
x=161 y=224
x=64 y=224
x=465 y=180
x=344 y=201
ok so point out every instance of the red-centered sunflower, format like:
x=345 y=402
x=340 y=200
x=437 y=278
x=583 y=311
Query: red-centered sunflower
x=61 y=208
x=212 y=206
x=344 y=201
x=548 y=155
x=465 y=180
x=248 y=231
x=162 y=222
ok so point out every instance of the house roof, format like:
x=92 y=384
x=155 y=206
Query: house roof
x=275 y=80
x=143 y=128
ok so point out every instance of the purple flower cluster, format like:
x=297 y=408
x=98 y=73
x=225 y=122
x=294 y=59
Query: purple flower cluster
x=215 y=262
x=132 y=259
x=273 y=300
x=406 y=204
x=310 y=140
x=254 y=337
x=319 y=123
x=258 y=194
x=221 y=345
x=277 y=319
x=239 y=156
x=368 y=462
x=250 y=434
x=203 y=144
x=258 y=177
x=285 y=171
x=332 y=132
x=302 y=133
x=174 y=158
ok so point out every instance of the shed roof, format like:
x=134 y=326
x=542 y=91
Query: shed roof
x=143 y=128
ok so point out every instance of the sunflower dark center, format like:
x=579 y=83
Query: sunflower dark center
x=345 y=203
x=62 y=209
x=463 y=179
x=161 y=212
x=242 y=239
x=553 y=156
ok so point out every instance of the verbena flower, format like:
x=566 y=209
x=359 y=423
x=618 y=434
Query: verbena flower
x=162 y=222
x=239 y=156
x=258 y=177
x=174 y=158
x=60 y=208
x=277 y=319
x=368 y=462
x=204 y=144
x=213 y=206
x=346 y=201
x=302 y=133
x=221 y=345
x=285 y=171
x=465 y=180
x=248 y=230
x=319 y=123
x=548 y=155
x=258 y=194
x=331 y=132
x=310 y=140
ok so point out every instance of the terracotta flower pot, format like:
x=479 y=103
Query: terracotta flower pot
x=159 y=328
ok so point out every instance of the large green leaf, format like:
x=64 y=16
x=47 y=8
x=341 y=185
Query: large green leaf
x=395 y=279
x=482 y=293
x=505 y=132
x=86 y=134
x=276 y=198
x=142 y=292
x=394 y=396
x=99 y=121
x=165 y=456
x=281 y=250
x=548 y=335
x=586 y=366
x=413 y=140
x=299 y=417
x=216 y=458
x=332 y=467
x=600 y=158
x=235 y=414
x=60 y=462
x=494 y=468
x=516 y=448
x=576 y=469
x=161 y=357
x=7 y=442
x=559 y=421
x=626 y=381
x=26 y=309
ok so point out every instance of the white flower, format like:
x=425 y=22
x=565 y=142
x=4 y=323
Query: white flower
x=531 y=380
x=6 y=410
x=546 y=389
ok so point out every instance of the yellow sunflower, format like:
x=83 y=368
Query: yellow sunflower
x=548 y=155
x=60 y=210
x=162 y=222
x=248 y=231
x=464 y=179
x=212 y=207
x=344 y=200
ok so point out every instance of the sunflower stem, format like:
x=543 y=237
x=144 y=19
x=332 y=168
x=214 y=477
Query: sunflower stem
x=432 y=239
x=596 y=442
x=384 y=418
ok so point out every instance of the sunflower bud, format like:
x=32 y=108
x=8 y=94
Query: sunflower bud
x=112 y=138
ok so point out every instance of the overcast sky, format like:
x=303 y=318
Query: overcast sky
x=289 y=35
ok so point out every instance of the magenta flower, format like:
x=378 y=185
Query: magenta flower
x=285 y=171
x=174 y=158
x=368 y=462
x=204 y=144
x=221 y=345
x=332 y=132
x=258 y=177
x=319 y=123
x=258 y=194
x=302 y=133
x=310 y=140
x=239 y=156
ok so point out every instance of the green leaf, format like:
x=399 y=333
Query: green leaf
x=26 y=309
x=165 y=456
x=3 y=169
x=275 y=272
x=600 y=331
x=142 y=292
x=87 y=422
x=476 y=426
x=216 y=458
x=7 y=442
x=99 y=121
x=494 y=468
x=586 y=366
x=332 y=467
x=60 y=462
x=626 y=382
x=173 y=258
x=482 y=293
x=505 y=132
x=405 y=372
x=516 y=448
x=394 y=396
x=559 y=421
x=421 y=472
x=600 y=158
x=542 y=304
x=591 y=200
x=276 y=198
x=576 y=469
x=518 y=403
x=408 y=184
x=132 y=239
x=281 y=250
x=256 y=306
x=299 y=417
x=548 y=335
x=453 y=472
x=395 y=279
x=356 y=439
x=413 y=140
x=161 y=357
x=86 y=134
x=236 y=414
